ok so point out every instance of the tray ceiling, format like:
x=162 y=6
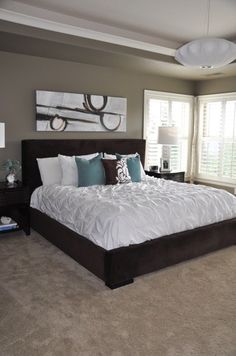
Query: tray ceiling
x=157 y=26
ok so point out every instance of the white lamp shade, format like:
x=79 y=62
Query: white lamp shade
x=2 y=135
x=206 y=53
x=167 y=135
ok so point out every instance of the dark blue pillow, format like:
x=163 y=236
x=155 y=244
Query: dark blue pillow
x=134 y=167
x=90 y=172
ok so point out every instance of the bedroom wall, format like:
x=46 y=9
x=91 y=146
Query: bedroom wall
x=214 y=86
x=22 y=74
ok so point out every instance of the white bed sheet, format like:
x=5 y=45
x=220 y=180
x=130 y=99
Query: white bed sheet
x=113 y=216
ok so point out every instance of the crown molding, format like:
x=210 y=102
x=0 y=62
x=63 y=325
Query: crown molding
x=20 y=18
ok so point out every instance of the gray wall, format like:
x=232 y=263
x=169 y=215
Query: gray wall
x=215 y=86
x=21 y=74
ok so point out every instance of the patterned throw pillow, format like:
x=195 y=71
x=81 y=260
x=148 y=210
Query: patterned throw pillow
x=116 y=171
x=135 y=166
x=122 y=171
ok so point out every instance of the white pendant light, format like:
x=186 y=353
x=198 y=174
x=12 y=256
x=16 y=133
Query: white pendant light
x=207 y=52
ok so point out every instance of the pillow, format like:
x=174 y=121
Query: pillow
x=143 y=175
x=116 y=171
x=134 y=166
x=110 y=170
x=91 y=172
x=69 y=169
x=109 y=156
x=69 y=172
x=50 y=170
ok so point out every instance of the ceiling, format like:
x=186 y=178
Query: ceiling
x=154 y=29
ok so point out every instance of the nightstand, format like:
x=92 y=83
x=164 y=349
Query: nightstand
x=176 y=176
x=14 y=202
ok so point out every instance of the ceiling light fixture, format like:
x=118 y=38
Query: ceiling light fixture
x=206 y=52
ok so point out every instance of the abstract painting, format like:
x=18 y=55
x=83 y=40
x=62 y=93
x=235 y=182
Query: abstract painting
x=57 y=111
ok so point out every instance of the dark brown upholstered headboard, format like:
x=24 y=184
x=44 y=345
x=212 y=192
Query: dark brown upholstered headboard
x=32 y=149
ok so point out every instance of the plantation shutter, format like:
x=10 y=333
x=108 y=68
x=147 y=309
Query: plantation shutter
x=167 y=109
x=156 y=108
x=217 y=138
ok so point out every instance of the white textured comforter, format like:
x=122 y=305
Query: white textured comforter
x=119 y=215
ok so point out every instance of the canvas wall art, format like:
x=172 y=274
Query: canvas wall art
x=56 y=111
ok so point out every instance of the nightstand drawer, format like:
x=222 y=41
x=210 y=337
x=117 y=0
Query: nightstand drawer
x=14 y=197
x=167 y=176
x=178 y=177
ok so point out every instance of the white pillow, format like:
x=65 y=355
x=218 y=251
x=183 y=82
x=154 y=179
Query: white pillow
x=110 y=156
x=69 y=170
x=50 y=170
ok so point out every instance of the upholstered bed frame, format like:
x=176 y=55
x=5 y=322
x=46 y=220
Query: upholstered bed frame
x=119 y=266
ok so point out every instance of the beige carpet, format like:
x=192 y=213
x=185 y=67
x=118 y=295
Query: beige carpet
x=50 y=305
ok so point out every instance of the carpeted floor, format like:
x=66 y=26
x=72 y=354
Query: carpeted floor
x=50 y=305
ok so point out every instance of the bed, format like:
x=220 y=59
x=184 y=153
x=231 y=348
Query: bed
x=117 y=266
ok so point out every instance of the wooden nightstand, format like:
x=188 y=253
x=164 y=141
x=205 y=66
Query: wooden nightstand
x=14 y=202
x=176 y=176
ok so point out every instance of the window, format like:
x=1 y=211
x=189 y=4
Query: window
x=168 y=109
x=217 y=138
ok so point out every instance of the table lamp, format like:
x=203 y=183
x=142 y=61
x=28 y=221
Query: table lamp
x=167 y=136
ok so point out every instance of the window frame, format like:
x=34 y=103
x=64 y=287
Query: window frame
x=169 y=96
x=222 y=97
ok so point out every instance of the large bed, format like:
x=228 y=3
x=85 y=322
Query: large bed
x=118 y=263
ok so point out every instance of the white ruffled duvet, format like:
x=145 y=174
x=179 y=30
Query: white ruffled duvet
x=120 y=215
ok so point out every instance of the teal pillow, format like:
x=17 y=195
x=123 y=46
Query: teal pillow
x=90 y=172
x=134 y=167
